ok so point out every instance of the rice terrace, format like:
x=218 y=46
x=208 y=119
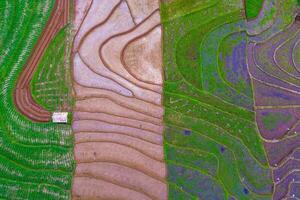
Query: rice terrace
x=150 y=99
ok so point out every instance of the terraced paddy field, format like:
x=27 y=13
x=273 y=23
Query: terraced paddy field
x=36 y=159
x=230 y=99
x=169 y=99
x=118 y=108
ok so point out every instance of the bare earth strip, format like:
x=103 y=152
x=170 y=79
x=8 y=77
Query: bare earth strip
x=117 y=74
x=22 y=95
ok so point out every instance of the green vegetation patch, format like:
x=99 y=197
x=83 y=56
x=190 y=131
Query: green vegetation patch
x=253 y=8
x=211 y=135
x=51 y=83
x=36 y=159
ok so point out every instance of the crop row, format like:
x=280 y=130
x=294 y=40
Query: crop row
x=36 y=159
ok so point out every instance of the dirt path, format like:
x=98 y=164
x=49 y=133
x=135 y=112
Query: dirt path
x=118 y=110
x=22 y=95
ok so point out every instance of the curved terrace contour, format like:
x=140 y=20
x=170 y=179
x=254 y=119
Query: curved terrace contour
x=22 y=95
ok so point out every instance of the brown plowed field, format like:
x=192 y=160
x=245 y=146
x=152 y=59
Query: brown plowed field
x=118 y=111
x=22 y=95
